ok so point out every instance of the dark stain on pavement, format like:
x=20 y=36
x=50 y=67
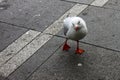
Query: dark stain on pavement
x=4 y=5
x=113 y=35
x=3 y=78
x=85 y=13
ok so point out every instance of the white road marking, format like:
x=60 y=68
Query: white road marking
x=58 y=24
x=38 y=42
x=24 y=54
x=99 y=2
x=12 y=49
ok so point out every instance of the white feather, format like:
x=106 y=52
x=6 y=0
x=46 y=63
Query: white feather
x=69 y=30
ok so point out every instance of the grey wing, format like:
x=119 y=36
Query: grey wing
x=65 y=30
x=66 y=25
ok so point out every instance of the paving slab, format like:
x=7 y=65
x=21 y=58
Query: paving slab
x=99 y=3
x=114 y=4
x=37 y=59
x=95 y=64
x=33 y=14
x=80 y=1
x=32 y=47
x=103 y=27
x=17 y=46
x=3 y=78
x=8 y=34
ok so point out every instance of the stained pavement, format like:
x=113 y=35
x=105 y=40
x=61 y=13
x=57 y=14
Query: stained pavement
x=49 y=62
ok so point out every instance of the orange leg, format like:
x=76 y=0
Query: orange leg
x=66 y=47
x=78 y=50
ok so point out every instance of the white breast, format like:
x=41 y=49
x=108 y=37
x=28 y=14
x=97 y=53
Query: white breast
x=70 y=31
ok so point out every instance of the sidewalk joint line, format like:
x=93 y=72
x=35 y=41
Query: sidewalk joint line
x=88 y=43
x=100 y=46
x=75 y=2
x=92 y=5
x=37 y=43
x=13 y=41
x=30 y=56
x=12 y=24
x=44 y=61
x=20 y=50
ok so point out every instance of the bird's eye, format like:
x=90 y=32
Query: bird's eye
x=78 y=22
x=73 y=24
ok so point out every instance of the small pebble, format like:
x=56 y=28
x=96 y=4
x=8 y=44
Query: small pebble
x=79 y=64
x=27 y=32
x=37 y=15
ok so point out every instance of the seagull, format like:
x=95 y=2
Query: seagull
x=75 y=29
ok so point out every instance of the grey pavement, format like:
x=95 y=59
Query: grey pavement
x=104 y=27
x=8 y=34
x=113 y=4
x=33 y=14
x=36 y=25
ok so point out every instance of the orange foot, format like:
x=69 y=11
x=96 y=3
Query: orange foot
x=79 y=51
x=66 y=47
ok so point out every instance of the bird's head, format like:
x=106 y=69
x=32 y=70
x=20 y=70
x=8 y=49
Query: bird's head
x=77 y=25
